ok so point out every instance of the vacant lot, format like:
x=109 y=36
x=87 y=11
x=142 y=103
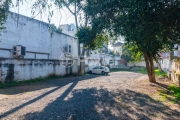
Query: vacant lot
x=120 y=95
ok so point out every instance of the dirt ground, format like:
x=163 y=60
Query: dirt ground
x=118 y=96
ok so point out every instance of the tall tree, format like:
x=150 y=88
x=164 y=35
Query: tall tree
x=145 y=23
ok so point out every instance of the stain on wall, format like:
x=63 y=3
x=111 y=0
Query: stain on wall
x=10 y=73
x=26 y=69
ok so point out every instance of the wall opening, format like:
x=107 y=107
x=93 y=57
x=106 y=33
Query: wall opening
x=10 y=73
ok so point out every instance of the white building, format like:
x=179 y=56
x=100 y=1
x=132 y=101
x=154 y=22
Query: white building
x=68 y=29
x=98 y=58
x=41 y=46
x=92 y=58
x=117 y=47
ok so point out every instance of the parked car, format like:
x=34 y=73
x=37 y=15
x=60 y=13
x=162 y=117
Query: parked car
x=100 y=70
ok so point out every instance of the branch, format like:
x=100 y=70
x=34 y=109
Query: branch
x=69 y=8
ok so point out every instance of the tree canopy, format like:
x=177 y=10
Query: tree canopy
x=90 y=39
x=130 y=53
x=52 y=27
x=150 y=25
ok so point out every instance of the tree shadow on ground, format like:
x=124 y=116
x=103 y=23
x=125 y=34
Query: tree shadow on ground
x=170 y=92
x=100 y=104
x=53 y=83
x=56 y=82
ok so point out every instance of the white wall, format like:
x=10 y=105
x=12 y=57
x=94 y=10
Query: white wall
x=25 y=69
x=94 y=59
x=118 y=49
x=166 y=64
x=35 y=36
x=106 y=58
x=68 y=29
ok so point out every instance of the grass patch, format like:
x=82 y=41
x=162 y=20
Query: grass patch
x=143 y=71
x=175 y=90
x=172 y=94
x=119 y=69
x=25 y=82
x=160 y=74
x=156 y=71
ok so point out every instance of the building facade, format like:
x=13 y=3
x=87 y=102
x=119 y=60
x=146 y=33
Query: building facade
x=117 y=47
x=92 y=58
x=40 y=48
x=69 y=29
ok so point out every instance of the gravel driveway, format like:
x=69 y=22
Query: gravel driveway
x=89 y=97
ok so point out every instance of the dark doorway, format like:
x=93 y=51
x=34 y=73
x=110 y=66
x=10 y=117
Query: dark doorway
x=10 y=73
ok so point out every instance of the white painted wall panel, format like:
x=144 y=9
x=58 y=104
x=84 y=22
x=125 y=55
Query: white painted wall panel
x=36 y=37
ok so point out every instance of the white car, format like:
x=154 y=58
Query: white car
x=100 y=70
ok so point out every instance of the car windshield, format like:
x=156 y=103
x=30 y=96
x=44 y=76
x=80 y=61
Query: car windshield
x=95 y=67
x=101 y=68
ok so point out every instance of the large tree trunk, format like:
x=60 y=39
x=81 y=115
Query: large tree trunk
x=82 y=59
x=101 y=61
x=158 y=64
x=81 y=68
x=82 y=63
x=150 y=67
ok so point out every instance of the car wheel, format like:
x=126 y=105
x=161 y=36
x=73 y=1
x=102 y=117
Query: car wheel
x=102 y=72
x=90 y=72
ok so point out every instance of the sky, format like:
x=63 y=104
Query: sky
x=59 y=17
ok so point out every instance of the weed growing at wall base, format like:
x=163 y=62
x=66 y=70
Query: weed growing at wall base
x=25 y=82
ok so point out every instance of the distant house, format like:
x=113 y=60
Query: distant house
x=69 y=29
x=98 y=57
x=92 y=58
x=117 y=47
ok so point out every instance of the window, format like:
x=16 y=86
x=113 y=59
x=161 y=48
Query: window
x=95 y=68
x=176 y=53
x=69 y=48
x=101 y=68
x=65 y=49
x=167 y=54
